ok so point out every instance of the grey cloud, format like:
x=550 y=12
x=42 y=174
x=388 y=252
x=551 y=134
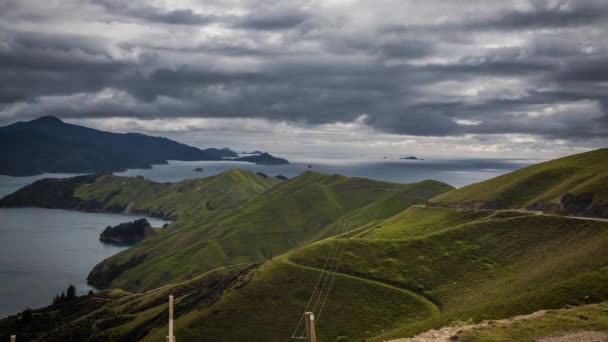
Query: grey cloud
x=272 y=21
x=291 y=62
x=148 y=13
x=547 y=14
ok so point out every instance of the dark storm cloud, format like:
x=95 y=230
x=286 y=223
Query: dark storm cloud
x=274 y=21
x=559 y=14
x=540 y=69
x=153 y=14
x=255 y=20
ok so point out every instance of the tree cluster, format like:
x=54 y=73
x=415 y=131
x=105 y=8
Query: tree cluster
x=65 y=296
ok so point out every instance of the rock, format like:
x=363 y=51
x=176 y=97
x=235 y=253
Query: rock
x=199 y=169
x=261 y=174
x=103 y=273
x=574 y=204
x=129 y=232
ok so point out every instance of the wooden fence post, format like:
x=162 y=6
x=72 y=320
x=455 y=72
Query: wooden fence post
x=171 y=338
x=311 y=334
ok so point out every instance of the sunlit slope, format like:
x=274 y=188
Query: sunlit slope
x=585 y=173
x=291 y=214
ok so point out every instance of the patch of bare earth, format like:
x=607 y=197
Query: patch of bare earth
x=581 y=336
x=451 y=333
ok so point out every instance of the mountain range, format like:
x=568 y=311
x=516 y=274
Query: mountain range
x=49 y=145
x=246 y=255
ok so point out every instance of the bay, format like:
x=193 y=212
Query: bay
x=45 y=250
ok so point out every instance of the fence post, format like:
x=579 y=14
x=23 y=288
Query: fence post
x=13 y=338
x=311 y=334
x=171 y=338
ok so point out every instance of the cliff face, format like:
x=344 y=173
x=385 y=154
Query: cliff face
x=569 y=205
x=573 y=205
x=128 y=232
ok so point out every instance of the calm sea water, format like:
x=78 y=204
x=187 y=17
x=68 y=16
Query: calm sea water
x=456 y=172
x=45 y=250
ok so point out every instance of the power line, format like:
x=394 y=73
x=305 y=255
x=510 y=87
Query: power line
x=334 y=274
x=330 y=256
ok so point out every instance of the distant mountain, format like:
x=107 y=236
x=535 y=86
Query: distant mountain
x=48 y=144
x=263 y=159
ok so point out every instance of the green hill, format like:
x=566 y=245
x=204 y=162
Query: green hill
x=232 y=218
x=583 y=178
x=291 y=214
x=491 y=265
x=249 y=269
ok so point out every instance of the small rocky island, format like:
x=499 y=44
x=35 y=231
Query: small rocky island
x=128 y=232
x=411 y=158
x=198 y=169
x=263 y=159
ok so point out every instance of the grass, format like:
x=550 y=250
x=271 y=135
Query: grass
x=491 y=265
x=289 y=215
x=270 y=305
x=405 y=268
x=494 y=264
x=546 y=182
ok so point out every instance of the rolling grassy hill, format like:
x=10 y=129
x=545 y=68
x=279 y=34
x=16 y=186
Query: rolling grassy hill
x=543 y=186
x=286 y=216
x=231 y=218
x=490 y=265
x=249 y=271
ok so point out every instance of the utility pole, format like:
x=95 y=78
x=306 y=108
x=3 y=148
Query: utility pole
x=311 y=334
x=171 y=338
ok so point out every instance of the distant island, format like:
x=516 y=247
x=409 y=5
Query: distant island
x=49 y=145
x=263 y=159
x=128 y=232
x=411 y=158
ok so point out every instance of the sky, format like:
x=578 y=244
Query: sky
x=477 y=77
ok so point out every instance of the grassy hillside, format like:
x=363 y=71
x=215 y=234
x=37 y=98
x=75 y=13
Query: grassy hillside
x=491 y=265
x=291 y=214
x=184 y=200
x=248 y=269
x=585 y=173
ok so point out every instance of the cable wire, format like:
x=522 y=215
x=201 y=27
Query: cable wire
x=330 y=256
